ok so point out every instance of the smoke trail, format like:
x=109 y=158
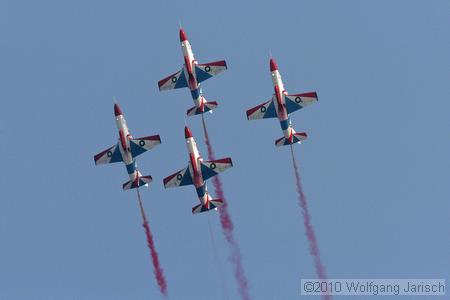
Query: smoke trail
x=313 y=245
x=217 y=260
x=227 y=226
x=159 y=275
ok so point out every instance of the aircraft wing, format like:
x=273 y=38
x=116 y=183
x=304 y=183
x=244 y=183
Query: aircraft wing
x=180 y=178
x=108 y=156
x=298 y=101
x=175 y=81
x=262 y=111
x=143 y=144
x=208 y=70
x=211 y=168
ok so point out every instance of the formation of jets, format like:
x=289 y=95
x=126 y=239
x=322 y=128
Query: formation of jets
x=191 y=75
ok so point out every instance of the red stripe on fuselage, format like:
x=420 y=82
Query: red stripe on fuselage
x=188 y=65
x=123 y=140
x=282 y=114
x=278 y=95
x=196 y=176
x=192 y=82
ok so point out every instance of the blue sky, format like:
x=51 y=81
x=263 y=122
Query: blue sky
x=375 y=167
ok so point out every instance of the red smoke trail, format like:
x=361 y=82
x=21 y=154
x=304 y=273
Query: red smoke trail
x=313 y=245
x=159 y=275
x=227 y=226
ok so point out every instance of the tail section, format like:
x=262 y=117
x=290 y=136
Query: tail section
x=293 y=139
x=204 y=107
x=138 y=182
x=211 y=204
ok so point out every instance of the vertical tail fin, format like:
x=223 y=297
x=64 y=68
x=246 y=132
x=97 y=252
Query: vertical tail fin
x=205 y=107
x=212 y=204
x=295 y=138
x=138 y=182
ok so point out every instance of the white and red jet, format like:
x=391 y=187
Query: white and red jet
x=197 y=171
x=126 y=149
x=190 y=75
x=280 y=106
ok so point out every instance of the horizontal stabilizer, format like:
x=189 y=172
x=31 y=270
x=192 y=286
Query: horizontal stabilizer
x=207 y=106
x=212 y=204
x=295 y=138
x=138 y=182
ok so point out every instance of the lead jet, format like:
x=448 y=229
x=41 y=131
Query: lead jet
x=191 y=75
x=280 y=106
x=197 y=171
x=126 y=149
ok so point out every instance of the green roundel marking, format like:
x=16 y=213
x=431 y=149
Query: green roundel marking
x=298 y=99
x=212 y=166
x=179 y=176
x=141 y=143
x=207 y=69
x=263 y=109
x=109 y=153
x=174 y=79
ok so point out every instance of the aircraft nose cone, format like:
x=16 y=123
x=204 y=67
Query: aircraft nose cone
x=187 y=132
x=183 y=36
x=273 y=65
x=117 y=110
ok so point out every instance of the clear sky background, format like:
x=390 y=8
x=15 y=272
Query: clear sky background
x=375 y=167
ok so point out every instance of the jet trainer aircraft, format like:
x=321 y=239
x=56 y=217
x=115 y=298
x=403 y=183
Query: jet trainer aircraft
x=190 y=75
x=126 y=149
x=280 y=106
x=197 y=171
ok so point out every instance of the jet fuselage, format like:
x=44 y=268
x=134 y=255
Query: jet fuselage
x=124 y=144
x=279 y=102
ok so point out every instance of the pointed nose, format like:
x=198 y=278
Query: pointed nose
x=117 y=110
x=187 y=132
x=273 y=65
x=183 y=36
